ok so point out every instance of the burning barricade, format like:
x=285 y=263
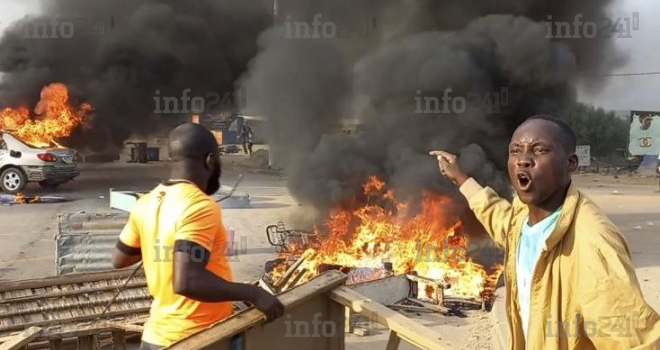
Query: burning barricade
x=383 y=239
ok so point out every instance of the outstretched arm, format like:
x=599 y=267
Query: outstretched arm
x=493 y=211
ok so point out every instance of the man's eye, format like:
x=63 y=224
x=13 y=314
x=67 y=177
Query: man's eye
x=514 y=151
x=540 y=150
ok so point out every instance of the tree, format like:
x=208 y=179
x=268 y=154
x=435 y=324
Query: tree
x=602 y=130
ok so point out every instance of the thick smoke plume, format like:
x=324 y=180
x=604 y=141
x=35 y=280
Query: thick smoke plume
x=166 y=45
x=418 y=49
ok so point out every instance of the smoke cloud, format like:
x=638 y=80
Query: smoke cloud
x=416 y=49
x=165 y=45
x=400 y=55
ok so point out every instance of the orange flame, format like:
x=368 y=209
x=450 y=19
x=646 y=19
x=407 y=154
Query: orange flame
x=54 y=117
x=22 y=199
x=426 y=243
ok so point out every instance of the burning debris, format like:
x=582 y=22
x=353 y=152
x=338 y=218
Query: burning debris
x=383 y=238
x=53 y=118
x=9 y=199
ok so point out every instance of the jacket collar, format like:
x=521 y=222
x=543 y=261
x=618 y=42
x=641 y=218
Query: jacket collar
x=566 y=216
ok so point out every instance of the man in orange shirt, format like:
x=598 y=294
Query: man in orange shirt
x=177 y=231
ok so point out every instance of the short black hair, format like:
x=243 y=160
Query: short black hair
x=566 y=134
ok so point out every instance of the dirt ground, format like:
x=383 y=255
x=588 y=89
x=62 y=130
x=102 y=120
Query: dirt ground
x=28 y=231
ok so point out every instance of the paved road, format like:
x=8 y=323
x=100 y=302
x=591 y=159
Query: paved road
x=28 y=230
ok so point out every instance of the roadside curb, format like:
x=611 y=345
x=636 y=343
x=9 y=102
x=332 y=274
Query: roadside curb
x=499 y=320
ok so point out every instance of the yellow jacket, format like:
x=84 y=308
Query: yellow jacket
x=583 y=278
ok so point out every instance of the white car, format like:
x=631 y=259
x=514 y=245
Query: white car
x=20 y=164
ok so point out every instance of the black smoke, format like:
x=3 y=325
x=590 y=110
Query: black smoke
x=416 y=49
x=164 y=45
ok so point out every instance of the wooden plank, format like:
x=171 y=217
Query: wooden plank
x=264 y=285
x=289 y=272
x=9 y=337
x=294 y=280
x=21 y=339
x=411 y=308
x=393 y=342
x=437 y=308
x=407 y=329
x=68 y=279
x=55 y=344
x=126 y=327
x=69 y=293
x=307 y=326
x=385 y=291
x=251 y=317
x=119 y=340
x=34 y=308
x=336 y=312
x=87 y=343
x=75 y=319
x=72 y=343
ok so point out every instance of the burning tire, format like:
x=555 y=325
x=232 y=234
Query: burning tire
x=12 y=180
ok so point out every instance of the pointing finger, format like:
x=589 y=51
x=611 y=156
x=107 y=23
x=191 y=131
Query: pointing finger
x=443 y=154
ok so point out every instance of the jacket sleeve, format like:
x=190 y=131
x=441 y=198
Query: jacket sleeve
x=493 y=211
x=613 y=309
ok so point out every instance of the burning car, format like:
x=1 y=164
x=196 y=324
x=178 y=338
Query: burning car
x=20 y=164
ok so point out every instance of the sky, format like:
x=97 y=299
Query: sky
x=616 y=93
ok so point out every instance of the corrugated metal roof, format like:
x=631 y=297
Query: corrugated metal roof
x=85 y=241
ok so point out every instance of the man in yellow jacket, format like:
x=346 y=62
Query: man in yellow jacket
x=570 y=281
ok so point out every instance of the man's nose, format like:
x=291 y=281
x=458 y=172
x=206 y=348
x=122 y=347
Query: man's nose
x=524 y=160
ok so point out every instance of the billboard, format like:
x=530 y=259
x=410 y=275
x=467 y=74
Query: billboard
x=644 y=133
x=584 y=155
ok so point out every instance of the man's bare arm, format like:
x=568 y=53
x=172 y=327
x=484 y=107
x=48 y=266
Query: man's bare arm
x=193 y=280
x=124 y=255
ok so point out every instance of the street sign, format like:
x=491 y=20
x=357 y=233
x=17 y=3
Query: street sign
x=584 y=155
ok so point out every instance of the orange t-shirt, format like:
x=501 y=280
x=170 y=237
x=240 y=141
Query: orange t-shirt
x=168 y=213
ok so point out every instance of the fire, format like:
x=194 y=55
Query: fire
x=22 y=199
x=54 y=117
x=385 y=231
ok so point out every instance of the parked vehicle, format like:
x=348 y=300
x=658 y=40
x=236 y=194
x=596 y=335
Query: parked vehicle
x=21 y=163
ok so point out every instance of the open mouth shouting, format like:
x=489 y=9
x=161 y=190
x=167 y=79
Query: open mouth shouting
x=524 y=180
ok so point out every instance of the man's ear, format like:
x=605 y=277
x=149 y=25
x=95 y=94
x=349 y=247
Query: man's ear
x=208 y=161
x=573 y=162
